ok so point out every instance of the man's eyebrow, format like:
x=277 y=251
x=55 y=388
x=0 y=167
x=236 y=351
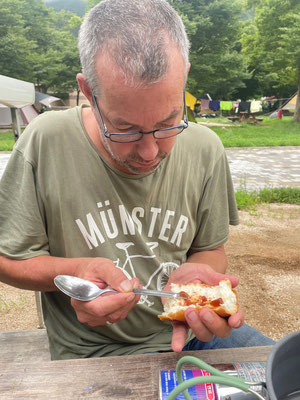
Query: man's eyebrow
x=172 y=115
x=120 y=121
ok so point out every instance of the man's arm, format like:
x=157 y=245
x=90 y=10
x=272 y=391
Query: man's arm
x=38 y=273
x=203 y=267
x=216 y=258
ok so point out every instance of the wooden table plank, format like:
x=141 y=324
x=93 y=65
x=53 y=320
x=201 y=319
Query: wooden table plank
x=114 y=378
x=24 y=346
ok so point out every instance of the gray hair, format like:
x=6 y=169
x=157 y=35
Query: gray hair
x=136 y=34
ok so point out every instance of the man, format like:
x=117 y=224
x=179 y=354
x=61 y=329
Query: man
x=122 y=194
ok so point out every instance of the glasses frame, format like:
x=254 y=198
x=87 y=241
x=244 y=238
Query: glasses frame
x=113 y=135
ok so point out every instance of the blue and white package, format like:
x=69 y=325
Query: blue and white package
x=168 y=381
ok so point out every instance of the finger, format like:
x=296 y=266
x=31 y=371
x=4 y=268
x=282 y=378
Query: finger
x=116 y=316
x=104 y=305
x=201 y=273
x=201 y=331
x=85 y=317
x=210 y=277
x=180 y=331
x=214 y=323
x=236 y=321
x=110 y=304
x=136 y=283
x=122 y=313
x=108 y=307
x=104 y=270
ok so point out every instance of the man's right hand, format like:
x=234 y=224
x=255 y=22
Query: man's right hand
x=108 y=308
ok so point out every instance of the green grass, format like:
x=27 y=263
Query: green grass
x=250 y=200
x=6 y=141
x=269 y=132
x=6 y=306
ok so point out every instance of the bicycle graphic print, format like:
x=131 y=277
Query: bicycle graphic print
x=161 y=273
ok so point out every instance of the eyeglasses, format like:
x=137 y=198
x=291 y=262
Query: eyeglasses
x=128 y=137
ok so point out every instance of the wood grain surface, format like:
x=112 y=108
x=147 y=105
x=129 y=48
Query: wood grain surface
x=27 y=373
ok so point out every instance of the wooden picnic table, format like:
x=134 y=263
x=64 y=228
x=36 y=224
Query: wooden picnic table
x=245 y=117
x=27 y=373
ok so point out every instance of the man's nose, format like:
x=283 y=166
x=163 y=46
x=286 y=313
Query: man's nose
x=147 y=147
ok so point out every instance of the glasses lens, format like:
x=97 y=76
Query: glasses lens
x=135 y=136
x=168 y=133
x=121 y=138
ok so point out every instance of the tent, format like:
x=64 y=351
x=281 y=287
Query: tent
x=16 y=94
x=24 y=115
x=190 y=103
x=190 y=100
x=291 y=104
x=45 y=99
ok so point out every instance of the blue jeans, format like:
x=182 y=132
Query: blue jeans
x=246 y=336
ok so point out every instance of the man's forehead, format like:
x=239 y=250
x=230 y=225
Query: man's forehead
x=111 y=75
x=126 y=121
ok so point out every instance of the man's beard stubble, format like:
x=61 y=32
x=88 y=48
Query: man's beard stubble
x=132 y=158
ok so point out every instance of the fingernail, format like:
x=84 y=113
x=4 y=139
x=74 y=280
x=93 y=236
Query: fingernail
x=208 y=317
x=238 y=324
x=192 y=316
x=136 y=284
x=126 y=286
x=130 y=297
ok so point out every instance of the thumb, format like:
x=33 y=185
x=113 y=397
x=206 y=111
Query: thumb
x=211 y=277
x=180 y=331
x=106 y=271
x=119 y=281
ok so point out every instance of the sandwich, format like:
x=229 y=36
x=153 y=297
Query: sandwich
x=222 y=299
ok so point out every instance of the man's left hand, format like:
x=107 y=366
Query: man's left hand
x=205 y=324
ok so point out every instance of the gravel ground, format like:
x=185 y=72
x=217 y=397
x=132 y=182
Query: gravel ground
x=264 y=252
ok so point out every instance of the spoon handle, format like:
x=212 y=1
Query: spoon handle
x=157 y=293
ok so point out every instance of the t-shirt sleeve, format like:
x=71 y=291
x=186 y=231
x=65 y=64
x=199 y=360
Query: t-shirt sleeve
x=217 y=208
x=22 y=229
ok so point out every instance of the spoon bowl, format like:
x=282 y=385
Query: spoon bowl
x=79 y=289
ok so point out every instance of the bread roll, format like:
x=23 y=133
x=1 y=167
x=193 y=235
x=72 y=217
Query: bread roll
x=222 y=299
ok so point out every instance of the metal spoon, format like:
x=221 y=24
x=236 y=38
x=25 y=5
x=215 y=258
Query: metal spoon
x=84 y=290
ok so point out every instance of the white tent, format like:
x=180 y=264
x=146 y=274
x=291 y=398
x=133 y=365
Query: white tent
x=16 y=94
x=25 y=115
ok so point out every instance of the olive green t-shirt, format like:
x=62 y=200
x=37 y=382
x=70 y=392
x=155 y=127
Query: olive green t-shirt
x=60 y=197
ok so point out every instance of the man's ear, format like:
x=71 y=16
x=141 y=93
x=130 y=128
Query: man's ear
x=188 y=69
x=84 y=87
x=187 y=73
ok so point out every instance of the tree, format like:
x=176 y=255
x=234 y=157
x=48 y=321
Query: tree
x=214 y=27
x=272 y=46
x=38 y=45
x=91 y=3
x=16 y=50
x=76 y=6
x=59 y=61
x=290 y=49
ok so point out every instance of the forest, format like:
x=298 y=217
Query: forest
x=240 y=49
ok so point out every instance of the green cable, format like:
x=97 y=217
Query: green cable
x=220 y=377
x=181 y=388
x=202 y=365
